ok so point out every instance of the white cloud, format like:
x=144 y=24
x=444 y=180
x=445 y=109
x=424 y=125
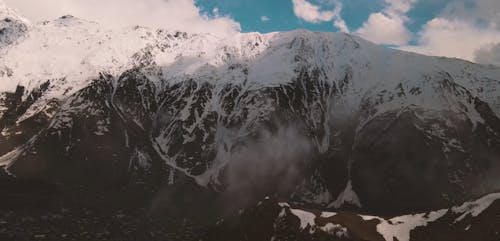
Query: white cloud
x=388 y=25
x=338 y=20
x=341 y=25
x=215 y=12
x=264 y=19
x=453 y=38
x=310 y=12
x=486 y=11
x=170 y=14
x=470 y=32
x=382 y=28
x=489 y=54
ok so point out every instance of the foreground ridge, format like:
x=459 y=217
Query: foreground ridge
x=274 y=220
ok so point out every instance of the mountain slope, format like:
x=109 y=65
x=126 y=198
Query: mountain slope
x=304 y=114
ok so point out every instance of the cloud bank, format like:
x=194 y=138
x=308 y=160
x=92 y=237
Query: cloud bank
x=169 y=14
x=465 y=29
x=382 y=28
x=489 y=54
x=388 y=26
x=454 y=38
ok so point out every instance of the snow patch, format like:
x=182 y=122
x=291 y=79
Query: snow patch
x=475 y=208
x=306 y=218
x=335 y=229
x=400 y=227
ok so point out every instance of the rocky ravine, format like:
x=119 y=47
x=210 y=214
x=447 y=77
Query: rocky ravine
x=321 y=118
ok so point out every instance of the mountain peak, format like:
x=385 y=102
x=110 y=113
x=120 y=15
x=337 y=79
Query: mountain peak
x=12 y=26
x=8 y=14
x=70 y=20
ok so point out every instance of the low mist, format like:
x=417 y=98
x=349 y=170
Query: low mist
x=272 y=163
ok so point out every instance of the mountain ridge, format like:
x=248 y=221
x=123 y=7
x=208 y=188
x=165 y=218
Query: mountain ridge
x=315 y=114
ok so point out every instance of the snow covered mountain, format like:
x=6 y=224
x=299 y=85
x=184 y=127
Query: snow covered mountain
x=324 y=118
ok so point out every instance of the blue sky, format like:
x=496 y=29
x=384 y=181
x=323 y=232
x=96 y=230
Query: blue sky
x=282 y=18
x=248 y=13
x=466 y=29
x=281 y=15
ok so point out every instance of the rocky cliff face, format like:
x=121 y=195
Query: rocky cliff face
x=322 y=118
